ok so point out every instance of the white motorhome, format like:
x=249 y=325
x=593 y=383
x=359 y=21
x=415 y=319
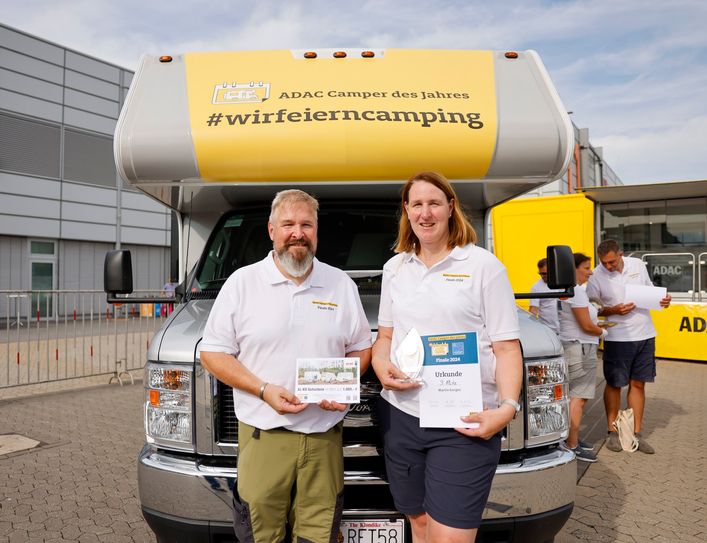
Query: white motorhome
x=213 y=136
x=312 y=376
x=345 y=376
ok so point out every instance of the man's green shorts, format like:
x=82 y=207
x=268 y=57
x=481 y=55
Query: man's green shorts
x=290 y=477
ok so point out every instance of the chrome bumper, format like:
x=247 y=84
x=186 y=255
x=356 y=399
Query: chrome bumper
x=188 y=488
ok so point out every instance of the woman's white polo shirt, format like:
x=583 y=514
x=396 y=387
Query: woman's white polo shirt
x=468 y=291
x=570 y=330
x=267 y=322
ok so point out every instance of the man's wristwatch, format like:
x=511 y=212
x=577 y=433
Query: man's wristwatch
x=514 y=404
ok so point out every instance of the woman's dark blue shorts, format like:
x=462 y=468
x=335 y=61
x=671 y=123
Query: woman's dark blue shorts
x=437 y=471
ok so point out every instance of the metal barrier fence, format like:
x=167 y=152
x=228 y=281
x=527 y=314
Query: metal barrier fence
x=54 y=335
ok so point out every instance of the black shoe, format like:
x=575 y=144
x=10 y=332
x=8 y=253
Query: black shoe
x=643 y=445
x=613 y=443
x=580 y=454
x=585 y=446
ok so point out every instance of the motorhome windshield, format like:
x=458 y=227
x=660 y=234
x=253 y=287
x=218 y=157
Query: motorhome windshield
x=356 y=236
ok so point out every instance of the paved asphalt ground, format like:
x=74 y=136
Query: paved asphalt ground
x=79 y=483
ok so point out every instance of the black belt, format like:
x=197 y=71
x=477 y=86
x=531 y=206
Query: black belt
x=256 y=431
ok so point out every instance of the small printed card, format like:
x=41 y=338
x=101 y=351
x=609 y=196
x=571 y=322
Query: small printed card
x=333 y=379
x=452 y=380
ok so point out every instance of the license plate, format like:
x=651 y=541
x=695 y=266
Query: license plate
x=372 y=531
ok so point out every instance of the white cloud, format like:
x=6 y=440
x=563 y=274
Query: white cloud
x=633 y=71
x=676 y=153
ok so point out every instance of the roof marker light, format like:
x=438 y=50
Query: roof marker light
x=310 y=54
x=368 y=54
x=165 y=58
x=340 y=54
x=511 y=54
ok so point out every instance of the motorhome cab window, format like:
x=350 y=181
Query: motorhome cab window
x=353 y=237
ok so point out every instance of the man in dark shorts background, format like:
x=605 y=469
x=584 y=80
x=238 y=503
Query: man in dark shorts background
x=629 y=349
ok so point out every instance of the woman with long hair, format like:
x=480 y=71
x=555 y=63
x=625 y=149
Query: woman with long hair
x=440 y=282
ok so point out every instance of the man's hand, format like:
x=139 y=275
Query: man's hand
x=665 y=302
x=491 y=421
x=622 y=309
x=391 y=377
x=333 y=406
x=282 y=400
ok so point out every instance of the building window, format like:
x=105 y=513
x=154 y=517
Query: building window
x=29 y=147
x=42 y=276
x=42 y=247
x=670 y=236
x=88 y=158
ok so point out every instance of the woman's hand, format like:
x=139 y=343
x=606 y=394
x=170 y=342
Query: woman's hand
x=388 y=373
x=391 y=377
x=509 y=376
x=491 y=421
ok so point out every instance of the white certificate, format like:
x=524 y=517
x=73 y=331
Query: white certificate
x=452 y=380
x=333 y=379
x=644 y=296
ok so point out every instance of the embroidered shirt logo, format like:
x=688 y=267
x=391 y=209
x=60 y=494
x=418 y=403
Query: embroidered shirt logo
x=456 y=277
x=325 y=306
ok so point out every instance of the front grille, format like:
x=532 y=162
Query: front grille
x=226 y=423
x=206 y=294
x=360 y=424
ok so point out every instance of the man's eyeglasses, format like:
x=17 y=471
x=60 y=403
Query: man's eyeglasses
x=542 y=273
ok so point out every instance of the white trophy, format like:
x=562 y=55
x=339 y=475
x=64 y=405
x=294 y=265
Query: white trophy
x=410 y=355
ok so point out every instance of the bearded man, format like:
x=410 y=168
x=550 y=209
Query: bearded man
x=266 y=316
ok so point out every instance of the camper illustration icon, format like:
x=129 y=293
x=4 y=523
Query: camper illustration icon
x=241 y=93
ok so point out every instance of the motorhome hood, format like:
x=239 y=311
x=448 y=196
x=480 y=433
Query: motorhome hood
x=255 y=117
x=177 y=342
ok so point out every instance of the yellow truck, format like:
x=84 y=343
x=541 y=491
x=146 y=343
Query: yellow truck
x=213 y=136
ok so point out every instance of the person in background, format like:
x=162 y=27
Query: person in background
x=441 y=282
x=168 y=288
x=579 y=334
x=544 y=308
x=168 y=291
x=266 y=316
x=629 y=349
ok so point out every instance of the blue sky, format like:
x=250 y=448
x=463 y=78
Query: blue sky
x=633 y=72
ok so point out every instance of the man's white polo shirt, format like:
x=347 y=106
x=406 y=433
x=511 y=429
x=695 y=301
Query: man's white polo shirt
x=468 y=291
x=609 y=288
x=267 y=322
x=547 y=307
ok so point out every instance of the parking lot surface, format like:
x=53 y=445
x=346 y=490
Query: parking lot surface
x=79 y=482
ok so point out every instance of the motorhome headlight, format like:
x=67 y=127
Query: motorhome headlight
x=546 y=400
x=168 y=405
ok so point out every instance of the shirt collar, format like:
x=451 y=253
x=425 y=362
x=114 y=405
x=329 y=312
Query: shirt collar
x=615 y=273
x=275 y=277
x=457 y=253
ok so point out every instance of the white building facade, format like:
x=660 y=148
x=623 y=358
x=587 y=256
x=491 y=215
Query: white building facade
x=62 y=206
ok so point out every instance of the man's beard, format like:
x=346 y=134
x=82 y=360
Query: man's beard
x=296 y=266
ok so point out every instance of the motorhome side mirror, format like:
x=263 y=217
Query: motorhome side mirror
x=118 y=272
x=560 y=267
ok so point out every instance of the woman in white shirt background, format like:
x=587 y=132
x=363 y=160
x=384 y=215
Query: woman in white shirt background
x=580 y=334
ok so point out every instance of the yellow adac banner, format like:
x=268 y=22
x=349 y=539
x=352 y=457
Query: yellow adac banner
x=268 y=116
x=682 y=331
